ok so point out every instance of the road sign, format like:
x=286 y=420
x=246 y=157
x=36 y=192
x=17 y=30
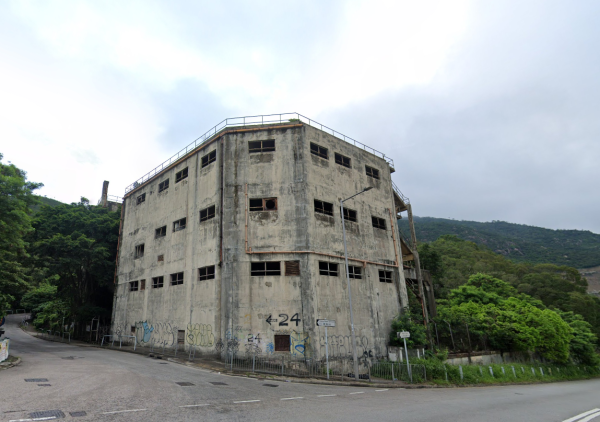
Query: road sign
x=325 y=323
x=403 y=334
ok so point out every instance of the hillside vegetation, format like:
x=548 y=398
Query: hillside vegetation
x=518 y=242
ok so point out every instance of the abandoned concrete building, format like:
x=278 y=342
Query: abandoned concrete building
x=236 y=243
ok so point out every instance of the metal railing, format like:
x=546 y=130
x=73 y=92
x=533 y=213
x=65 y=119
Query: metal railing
x=400 y=194
x=111 y=198
x=119 y=337
x=259 y=120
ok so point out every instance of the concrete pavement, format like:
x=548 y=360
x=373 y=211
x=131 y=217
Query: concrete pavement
x=109 y=385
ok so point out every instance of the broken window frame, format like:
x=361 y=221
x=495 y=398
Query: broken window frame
x=181 y=175
x=342 y=160
x=177 y=279
x=323 y=207
x=179 y=224
x=372 y=172
x=206 y=273
x=319 y=151
x=139 y=251
x=263 y=206
x=164 y=185
x=141 y=199
x=330 y=269
x=133 y=286
x=158 y=282
x=355 y=272
x=378 y=223
x=143 y=284
x=261 y=268
x=209 y=158
x=160 y=232
x=386 y=276
x=209 y=212
x=267 y=145
x=350 y=215
x=292 y=268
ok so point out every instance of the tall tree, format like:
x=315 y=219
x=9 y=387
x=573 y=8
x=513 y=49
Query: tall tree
x=16 y=200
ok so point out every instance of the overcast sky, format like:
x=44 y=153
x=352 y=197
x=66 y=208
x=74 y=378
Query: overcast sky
x=490 y=110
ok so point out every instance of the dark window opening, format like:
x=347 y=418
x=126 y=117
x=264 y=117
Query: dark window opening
x=211 y=157
x=179 y=225
x=261 y=146
x=371 y=172
x=141 y=198
x=258 y=269
x=161 y=258
x=354 y=272
x=349 y=215
x=378 y=223
x=319 y=151
x=180 y=175
x=207 y=213
x=264 y=204
x=160 y=232
x=328 y=268
x=133 y=330
x=282 y=342
x=180 y=336
x=176 y=279
x=139 y=251
x=385 y=276
x=163 y=186
x=142 y=284
x=342 y=160
x=292 y=268
x=206 y=273
x=323 y=207
x=133 y=286
x=157 y=282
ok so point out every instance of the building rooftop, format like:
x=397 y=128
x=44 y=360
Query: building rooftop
x=260 y=120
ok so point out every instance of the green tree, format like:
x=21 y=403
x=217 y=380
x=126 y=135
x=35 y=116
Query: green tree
x=407 y=322
x=76 y=246
x=16 y=200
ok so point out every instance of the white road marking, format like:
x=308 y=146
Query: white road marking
x=589 y=418
x=246 y=401
x=194 y=405
x=358 y=392
x=581 y=415
x=49 y=418
x=385 y=389
x=327 y=395
x=123 y=411
x=292 y=398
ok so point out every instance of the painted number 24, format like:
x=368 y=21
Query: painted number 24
x=284 y=319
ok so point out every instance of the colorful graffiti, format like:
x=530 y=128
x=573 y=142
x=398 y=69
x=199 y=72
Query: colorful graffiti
x=299 y=343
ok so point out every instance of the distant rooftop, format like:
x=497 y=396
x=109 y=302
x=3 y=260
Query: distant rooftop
x=261 y=120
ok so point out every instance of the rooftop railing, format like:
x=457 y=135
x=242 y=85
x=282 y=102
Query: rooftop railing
x=268 y=119
x=112 y=198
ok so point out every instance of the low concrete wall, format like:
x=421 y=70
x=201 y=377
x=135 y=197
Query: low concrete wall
x=4 y=345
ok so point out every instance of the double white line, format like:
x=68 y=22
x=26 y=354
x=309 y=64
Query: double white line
x=585 y=416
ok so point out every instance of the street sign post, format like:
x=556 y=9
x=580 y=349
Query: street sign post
x=404 y=335
x=326 y=323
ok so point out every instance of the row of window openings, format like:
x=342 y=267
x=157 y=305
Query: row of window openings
x=340 y=159
x=261 y=269
x=204 y=273
x=211 y=157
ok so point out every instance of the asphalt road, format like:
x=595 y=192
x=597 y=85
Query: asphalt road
x=110 y=385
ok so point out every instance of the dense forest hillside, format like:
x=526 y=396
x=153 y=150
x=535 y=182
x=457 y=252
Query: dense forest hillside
x=46 y=201
x=520 y=243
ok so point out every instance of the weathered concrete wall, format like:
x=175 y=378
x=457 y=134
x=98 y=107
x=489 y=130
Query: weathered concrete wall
x=245 y=312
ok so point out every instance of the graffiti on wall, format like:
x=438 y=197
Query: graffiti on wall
x=200 y=335
x=299 y=343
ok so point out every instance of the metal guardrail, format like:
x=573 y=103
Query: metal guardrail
x=400 y=194
x=253 y=121
x=120 y=338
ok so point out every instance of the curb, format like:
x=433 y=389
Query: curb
x=13 y=364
